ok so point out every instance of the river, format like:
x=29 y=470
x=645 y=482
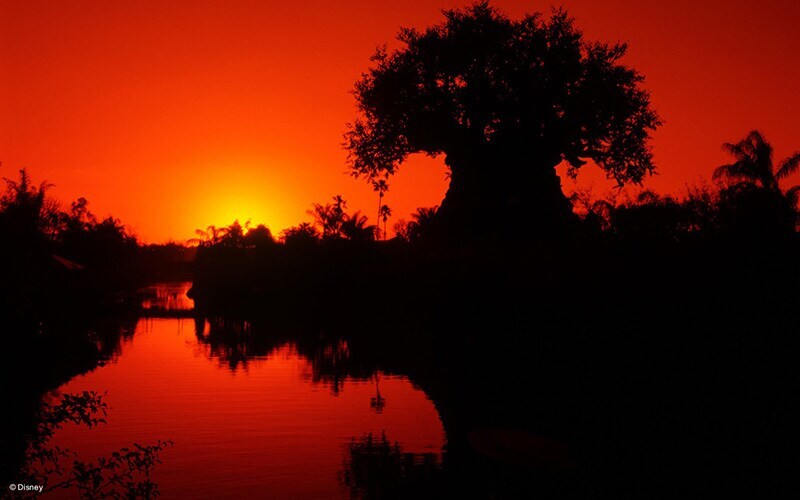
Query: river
x=265 y=419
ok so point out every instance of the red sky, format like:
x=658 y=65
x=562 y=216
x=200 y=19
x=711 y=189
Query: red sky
x=175 y=115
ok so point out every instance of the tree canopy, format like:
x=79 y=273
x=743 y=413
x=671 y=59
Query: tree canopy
x=504 y=97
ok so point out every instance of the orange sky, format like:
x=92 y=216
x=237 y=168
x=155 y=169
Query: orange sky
x=174 y=115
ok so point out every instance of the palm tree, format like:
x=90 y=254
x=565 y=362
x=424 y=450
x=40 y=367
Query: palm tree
x=380 y=186
x=210 y=237
x=384 y=213
x=330 y=217
x=753 y=194
x=753 y=165
x=355 y=228
x=303 y=233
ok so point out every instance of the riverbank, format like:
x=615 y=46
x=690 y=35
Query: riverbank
x=75 y=329
x=664 y=368
x=643 y=369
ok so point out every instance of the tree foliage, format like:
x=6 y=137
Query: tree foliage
x=748 y=202
x=482 y=85
x=335 y=223
x=418 y=227
x=125 y=473
x=751 y=196
x=753 y=164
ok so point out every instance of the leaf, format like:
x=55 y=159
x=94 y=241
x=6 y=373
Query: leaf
x=788 y=166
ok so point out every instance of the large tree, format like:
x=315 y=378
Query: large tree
x=506 y=101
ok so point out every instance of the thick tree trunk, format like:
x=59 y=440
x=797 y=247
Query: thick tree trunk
x=503 y=196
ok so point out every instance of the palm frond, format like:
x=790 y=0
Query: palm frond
x=745 y=148
x=735 y=149
x=753 y=156
x=788 y=166
x=739 y=171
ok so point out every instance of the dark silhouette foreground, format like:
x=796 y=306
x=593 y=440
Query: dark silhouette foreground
x=652 y=348
x=649 y=344
x=125 y=473
x=505 y=101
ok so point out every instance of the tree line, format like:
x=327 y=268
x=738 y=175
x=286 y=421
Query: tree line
x=57 y=257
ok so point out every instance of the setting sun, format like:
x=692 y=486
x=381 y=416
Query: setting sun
x=252 y=98
x=255 y=198
x=415 y=249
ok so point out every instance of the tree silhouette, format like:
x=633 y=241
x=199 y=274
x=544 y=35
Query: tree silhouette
x=336 y=224
x=506 y=101
x=330 y=217
x=235 y=235
x=380 y=186
x=649 y=216
x=259 y=237
x=754 y=165
x=355 y=228
x=213 y=235
x=125 y=473
x=384 y=213
x=753 y=203
x=27 y=213
x=301 y=234
x=420 y=225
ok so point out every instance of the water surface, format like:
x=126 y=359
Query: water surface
x=266 y=425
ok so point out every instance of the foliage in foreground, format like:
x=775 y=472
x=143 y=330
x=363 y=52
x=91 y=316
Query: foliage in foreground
x=125 y=473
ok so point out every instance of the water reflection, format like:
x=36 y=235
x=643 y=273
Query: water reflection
x=165 y=297
x=231 y=342
x=235 y=343
x=378 y=402
x=253 y=409
x=375 y=467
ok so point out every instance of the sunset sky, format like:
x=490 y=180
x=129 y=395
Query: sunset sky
x=174 y=115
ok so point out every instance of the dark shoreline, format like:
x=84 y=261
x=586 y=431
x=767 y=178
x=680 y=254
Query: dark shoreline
x=666 y=368
x=626 y=355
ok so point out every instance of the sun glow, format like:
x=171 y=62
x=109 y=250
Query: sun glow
x=247 y=193
x=247 y=210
